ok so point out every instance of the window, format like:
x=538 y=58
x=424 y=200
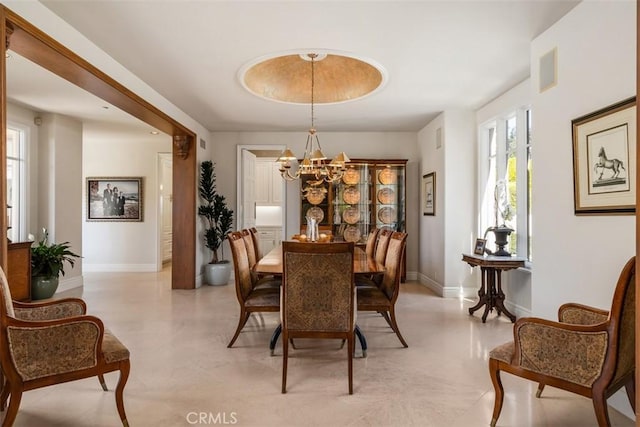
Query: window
x=16 y=184
x=505 y=164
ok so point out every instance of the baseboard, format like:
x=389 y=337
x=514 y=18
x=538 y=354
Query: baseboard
x=438 y=288
x=412 y=275
x=119 y=268
x=516 y=309
x=70 y=283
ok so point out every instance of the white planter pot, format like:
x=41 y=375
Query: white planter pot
x=217 y=274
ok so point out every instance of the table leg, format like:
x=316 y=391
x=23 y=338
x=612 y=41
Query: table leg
x=490 y=293
x=499 y=300
x=274 y=338
x=482 y=296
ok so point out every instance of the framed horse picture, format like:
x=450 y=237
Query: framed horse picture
x=604 y=160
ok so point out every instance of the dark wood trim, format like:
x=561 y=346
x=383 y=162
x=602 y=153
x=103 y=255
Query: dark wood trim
x=35 y=45
x=637 y=379
x=3 y=137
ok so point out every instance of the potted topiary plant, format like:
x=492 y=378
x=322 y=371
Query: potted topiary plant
x=218 y=220
x=47 y=263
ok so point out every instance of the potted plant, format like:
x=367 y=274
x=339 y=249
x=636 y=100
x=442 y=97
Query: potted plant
x=218 y=220
x=47 y=262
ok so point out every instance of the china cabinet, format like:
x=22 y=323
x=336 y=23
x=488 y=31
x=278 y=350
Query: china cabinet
x=371 y=194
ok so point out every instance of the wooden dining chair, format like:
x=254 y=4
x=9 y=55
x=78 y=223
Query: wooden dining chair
x=318 y=296
x=53 y=342
x=383 y=299
x=590 y=351
x=250 y=298
x=256 y=243
x=370 y=250
x=257 y=280
x=382 y=245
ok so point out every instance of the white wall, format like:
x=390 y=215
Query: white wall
x=578 y=258
x=431 y=268
x=60 y=187
x=596 y=68
x=448 y=234
x=367 y=145
x=123 y=246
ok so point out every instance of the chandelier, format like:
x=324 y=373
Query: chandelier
x=314 y=161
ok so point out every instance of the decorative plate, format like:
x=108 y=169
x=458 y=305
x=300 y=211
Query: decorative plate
x=351 y=215
x=315 y=195
x=352 y=234
x=351 y=195
x=351 y=176
x=386 y=196
x=387 y=215
x=316 y=213
x=387 y=176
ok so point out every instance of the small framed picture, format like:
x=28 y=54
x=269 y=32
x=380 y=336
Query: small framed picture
x=479 y=247
x=429 y=194
x=114 y=199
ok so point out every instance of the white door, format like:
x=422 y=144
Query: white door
x=248 y=179
x=166 y=205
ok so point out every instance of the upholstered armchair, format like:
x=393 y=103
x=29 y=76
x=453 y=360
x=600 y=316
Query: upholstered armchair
x=589 y=351
x=52 y=342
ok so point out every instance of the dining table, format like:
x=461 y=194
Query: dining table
x=363 y=265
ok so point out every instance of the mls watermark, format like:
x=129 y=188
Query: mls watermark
x=212 y=418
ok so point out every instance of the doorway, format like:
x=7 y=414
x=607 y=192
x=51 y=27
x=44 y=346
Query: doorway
x=165 y=209
x=254 y=207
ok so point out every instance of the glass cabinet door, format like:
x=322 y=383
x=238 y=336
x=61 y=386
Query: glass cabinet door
x=389 y=196
x=352 y=204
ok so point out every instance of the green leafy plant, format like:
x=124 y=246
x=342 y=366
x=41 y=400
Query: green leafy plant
x=48 y=260
x=218 y=217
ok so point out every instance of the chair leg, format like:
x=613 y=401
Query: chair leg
x=494 y=372
x=352 y=348
x=394 y=326
x=540 y=388
x=600 y=406
x=244 y=316
x=285 y=356
x=124 y=375
x=386 y=317
x=103 y=382
x=14 y=404
x=630 y=386
x=4 y=395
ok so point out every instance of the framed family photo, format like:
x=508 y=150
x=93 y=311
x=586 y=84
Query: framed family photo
x=429 y=194
x=114 y=199
x=604 y=160
x=478 y=249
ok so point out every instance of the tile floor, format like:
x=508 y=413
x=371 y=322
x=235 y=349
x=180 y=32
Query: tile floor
x=181 y=369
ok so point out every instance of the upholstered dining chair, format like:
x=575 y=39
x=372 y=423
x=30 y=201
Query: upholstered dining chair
x=53 y=342
x=370 y=250
x=383 y=299
x=257 y=280
x=251 y=299
x=318 y=296
x=372 y=239
x=382 y=245
x=589 y=351
x=256 y=243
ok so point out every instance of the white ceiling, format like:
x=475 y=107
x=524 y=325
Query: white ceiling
x=438 y=54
